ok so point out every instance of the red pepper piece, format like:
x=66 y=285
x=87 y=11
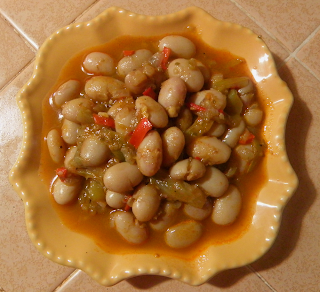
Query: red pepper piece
x=150 y=92
x=246 y=138
x=104 y=121
x=62 y=173
x=166 y=54
x=140 y=132
x=195 y=107
x=127 y=53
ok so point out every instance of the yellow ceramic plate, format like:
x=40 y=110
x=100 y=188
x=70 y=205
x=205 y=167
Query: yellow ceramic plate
x=63 y=246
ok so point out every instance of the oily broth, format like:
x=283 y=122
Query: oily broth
x=97 y=226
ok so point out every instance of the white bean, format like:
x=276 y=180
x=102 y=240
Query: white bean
x=115 y=200
x=129 y=228
x=172 y=95
x=188 y=71
x=78 y=110
x=184 y=119
x=217 y=130
x=187 y=169
x=149 y=154
x=210 y=150
x=99 y=63
x=253 y=117
x=169 y=212
x=66 y=192
x=70 y=154
x=137 y=81
x=218 y=100
x=133 y=62
x=125 y=121
x=103 y=88
x=180 y=46
x=214 y=183
x=94 y=151
x=204 y=70
x=173 y=142
x=69 y=131
x=67 y=91
x=122 y=177
x=232 y=135
x=119 y=105
x=198 y=213
x=155 y=112
x=183 y=234
x=227 y=208
x=56 y=145
x=146 y=203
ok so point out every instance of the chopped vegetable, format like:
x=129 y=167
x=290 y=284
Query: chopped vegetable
x=150 y=92
x=178 y=190
x=246 y=138
x=166 y=54
x=62 y=173
x=140 y=132
x=127 y=53
x=234 y=103
x=104 y=121
x=195 y=107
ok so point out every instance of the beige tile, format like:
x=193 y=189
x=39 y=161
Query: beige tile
x=236 y=280
x=310 y=54
x=37 y=20
x=14 y=53
x=22 y=267
x=293 y=263
x=289 y=21
x=223 y=10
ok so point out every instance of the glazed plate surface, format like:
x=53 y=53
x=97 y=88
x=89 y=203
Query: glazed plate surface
x=66 y=247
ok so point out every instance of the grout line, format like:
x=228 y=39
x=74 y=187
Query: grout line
x=260 y=25
x=16 y=75
x=29 y=43
x=85 y=11
x=71 y=275
x=261 y=278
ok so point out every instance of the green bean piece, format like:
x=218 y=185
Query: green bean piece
x=234 y=103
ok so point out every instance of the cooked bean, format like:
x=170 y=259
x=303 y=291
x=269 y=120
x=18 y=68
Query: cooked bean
x=137 y=81
x=67 y=91
x=188 y=71
x=116 y=200
x=168 y=213
x=155 y=112
x=173 y=142
x=217 y=130
x=94 y=151
x=146 y=203
x=253 y=117
x=122 y=177
x=214 y=183
x=172 y=95
x=129 y=228
x=69 y=131
x=198 y=213
x=120 y=105
x=204 y=70
x=103 y=88
x=65 y=192
x=70 y=154
x=133 y=62
x=56 y=145
x=78 y=110
x=227 y=208
x=183 y=234
x=99 y=63
x=180 y=46
x=187 y=169
x=184 y=119
x=218 y=100
x=232 y=135
x=125 y=121
x=210 y=150
x=149 y=154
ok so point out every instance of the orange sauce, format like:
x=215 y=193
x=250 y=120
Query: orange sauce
x=97 y=226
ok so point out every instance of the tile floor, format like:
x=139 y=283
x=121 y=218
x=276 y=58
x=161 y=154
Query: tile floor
x=291 y=29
